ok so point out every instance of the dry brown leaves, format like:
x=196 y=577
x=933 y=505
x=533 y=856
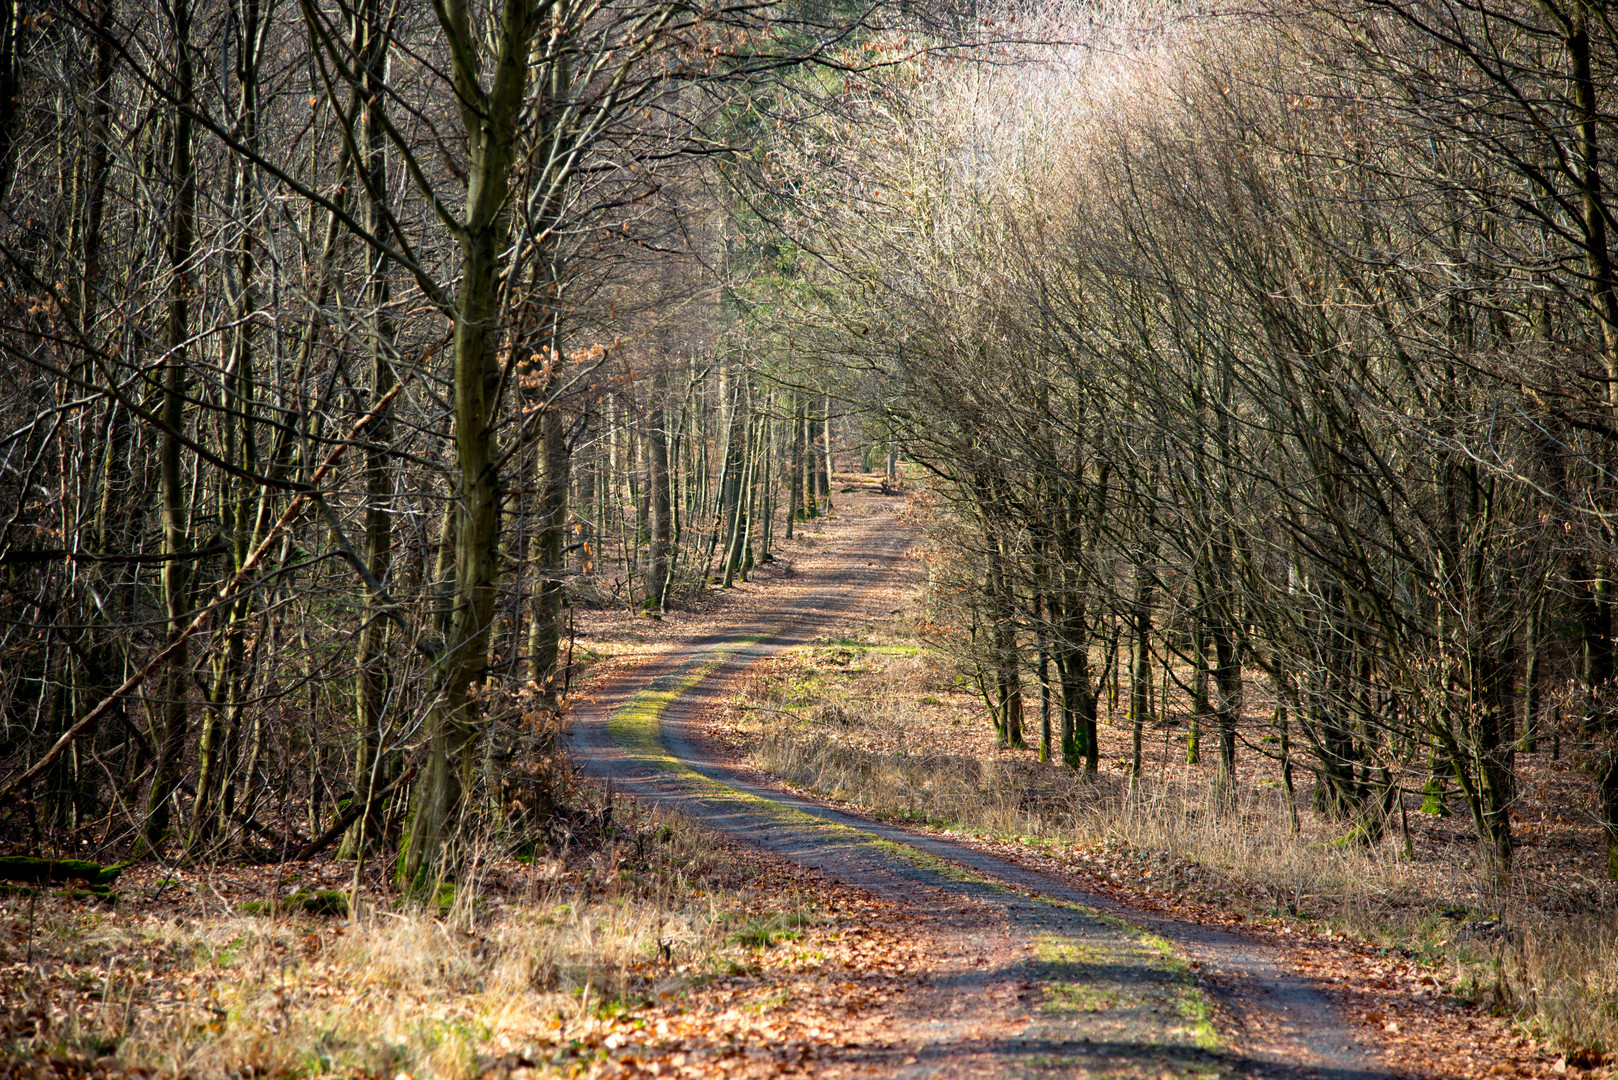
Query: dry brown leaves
x=801 y=975
x=820 y=997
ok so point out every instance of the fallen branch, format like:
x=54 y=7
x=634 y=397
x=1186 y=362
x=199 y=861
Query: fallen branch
x=257 y=828
x=345 y=820
x=44 y=555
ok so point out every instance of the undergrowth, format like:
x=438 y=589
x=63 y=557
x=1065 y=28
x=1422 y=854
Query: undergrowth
x=424 y=991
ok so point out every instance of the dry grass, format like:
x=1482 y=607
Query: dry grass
x=1247 y=847
x=422 y=992
x=888 y=731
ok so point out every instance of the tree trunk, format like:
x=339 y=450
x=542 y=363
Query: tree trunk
x=169 y=739
x=811 y=474
x=1042 y=632
x=1007 y=662
x=371 y=673
x=661 y=505
x=828 y=466
x=1140 y=664
x=795 y=453
x=1529 y=741
x=1227 y=677
x=1284 y=734
x=736 y=533
x=733 y=485
x=13 y=28
x=1201 y=707
x=549 y=562
x=1592 y=197
x=488 y=118
x=1072 y=655
x=1607 y=782
x=766 y=484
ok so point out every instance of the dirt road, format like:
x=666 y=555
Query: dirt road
x=1030 y=975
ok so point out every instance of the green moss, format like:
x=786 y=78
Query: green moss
x=36 y=870
x=1195 y=1010
x=1435 y=799
x=1067 y=998
x=307 y=901
x=103 y=894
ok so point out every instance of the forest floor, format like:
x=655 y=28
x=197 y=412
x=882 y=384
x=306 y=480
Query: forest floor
x=720 y=923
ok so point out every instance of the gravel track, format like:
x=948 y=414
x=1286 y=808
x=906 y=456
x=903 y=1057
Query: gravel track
x=1035 y=975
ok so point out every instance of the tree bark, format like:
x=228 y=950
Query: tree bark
x=827 y=467
x=169 y=739
x=795 y=452
x=549 y=562
x=1140 y=663
x=661 y=505
x=371 y=672
x=431 y=850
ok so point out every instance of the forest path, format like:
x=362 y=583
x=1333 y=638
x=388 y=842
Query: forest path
x=1029 y=974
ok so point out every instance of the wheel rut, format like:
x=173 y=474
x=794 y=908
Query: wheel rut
x=1033 y=974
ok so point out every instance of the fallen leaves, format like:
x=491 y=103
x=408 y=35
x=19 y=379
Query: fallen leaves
x=796 y=975
x=824 y=995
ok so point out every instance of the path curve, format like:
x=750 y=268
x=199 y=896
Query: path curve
x=1014 y=933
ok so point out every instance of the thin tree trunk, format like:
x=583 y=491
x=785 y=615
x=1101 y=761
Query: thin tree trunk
x=371 y=673
x=795 y=452
x=732 y=485
x=1529 y=743
x=1140 y=664
x=170 y=738
x=1008 y=668
x=661 y=505
x=828 y=468
x=1284 y=733
x=1227 y=677
x=722 y=496
x=736 y=530
x=549 y=562
x=14 y=17
x=767 y=484
x=1043 y=641
x=1201 y=707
